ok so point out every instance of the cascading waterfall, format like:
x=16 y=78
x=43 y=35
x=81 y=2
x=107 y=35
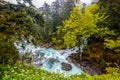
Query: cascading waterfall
x=55 y=61
x=83 y=44
x=50 y=59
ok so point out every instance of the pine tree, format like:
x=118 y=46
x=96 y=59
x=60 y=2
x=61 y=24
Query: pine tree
x=16 y=23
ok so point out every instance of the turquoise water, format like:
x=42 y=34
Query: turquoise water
x=50 y=59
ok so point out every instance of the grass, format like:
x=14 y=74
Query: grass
x=23 y=72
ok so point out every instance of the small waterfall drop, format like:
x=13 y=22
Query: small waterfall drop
x=50 y=59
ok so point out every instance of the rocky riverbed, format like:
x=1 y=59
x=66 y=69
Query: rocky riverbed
x=87 y=66
x=53 y=60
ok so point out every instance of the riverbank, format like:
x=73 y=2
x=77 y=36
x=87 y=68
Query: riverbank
x=23 y=72
x=89 y=67
x=50 y=60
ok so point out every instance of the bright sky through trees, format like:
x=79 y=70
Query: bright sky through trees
x=39 y=3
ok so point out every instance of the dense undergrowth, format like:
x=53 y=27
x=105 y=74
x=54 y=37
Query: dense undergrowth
x=23 y=72
x=100 y=23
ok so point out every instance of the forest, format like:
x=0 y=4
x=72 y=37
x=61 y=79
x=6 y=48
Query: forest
x=66 y=25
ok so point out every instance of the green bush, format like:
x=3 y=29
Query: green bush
x=8 y=53
x=23 y=72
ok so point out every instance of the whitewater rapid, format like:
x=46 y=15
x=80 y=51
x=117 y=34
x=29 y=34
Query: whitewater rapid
x=50 y=59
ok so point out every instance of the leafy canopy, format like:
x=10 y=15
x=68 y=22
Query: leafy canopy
x=80 y=25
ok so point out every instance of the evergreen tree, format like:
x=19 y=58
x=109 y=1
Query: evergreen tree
x=17 y=23
x=112 y=23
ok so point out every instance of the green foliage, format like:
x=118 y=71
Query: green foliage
x=113 y=44
x=54 y=17
x=17 y=23
x=111 y=36
x=22 y=72
x=112 y=9
x=81 y=25
x=8 y=53
x=67 y=8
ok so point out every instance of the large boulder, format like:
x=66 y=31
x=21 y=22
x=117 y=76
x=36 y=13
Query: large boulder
x=66 y=66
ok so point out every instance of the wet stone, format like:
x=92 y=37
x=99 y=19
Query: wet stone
x=66 y=66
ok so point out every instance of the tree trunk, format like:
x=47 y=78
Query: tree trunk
x=79 y=50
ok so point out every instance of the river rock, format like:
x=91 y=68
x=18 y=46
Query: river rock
x=66 y=66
